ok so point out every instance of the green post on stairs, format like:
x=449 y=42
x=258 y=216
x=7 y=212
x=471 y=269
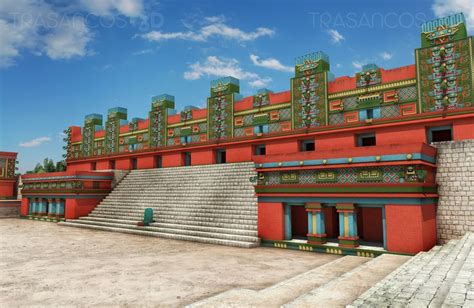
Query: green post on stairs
x=148 y=216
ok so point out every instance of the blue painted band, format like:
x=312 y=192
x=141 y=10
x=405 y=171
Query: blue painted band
x=377 y=201
x=361 y=159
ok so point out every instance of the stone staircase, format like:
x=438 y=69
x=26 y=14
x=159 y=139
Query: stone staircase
x=334 y=284
x=441 y=277
x=213 y=204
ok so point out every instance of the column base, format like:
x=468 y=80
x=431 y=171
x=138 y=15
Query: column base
x=348 y=242
x=316 y=238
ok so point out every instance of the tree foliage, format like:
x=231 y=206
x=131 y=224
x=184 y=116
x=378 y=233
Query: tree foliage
x=49 y=166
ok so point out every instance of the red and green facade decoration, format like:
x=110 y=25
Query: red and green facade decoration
x=344 y=163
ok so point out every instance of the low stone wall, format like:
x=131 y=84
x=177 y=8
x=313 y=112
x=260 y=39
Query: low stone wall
x=10 y=208
x=455 y=177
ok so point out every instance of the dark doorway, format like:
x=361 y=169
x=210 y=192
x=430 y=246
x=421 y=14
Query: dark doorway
x=134 y=163
x=187 y=158
x=331 y=222
x=299 y=222
x=220 y=156
x=370 y=225
x=158 y=162
x=111 y=164
x=438 y=134
x=94 y=166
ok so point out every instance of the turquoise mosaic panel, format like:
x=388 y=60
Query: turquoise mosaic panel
x=349 y=102
x=336 y=118
x=248 y=119
x=390 y=111
x=274 y=127
x=202 y=127
x=406 y=94
x=285 y=114
x=170 y=141
x=195 y=138
x=239 y=132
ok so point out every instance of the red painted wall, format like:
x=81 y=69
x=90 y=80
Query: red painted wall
x=123 y=163
x=202 y=157
x=76 y=208
x=24 y=207
x=463 y=129
x=103 y=165
x=146 y=162
x=7 y=189
x=240 y=153
x=271 y=225
x=410 y=228
x=282 y=147
x=172 y=160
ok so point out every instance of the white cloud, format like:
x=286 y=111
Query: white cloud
x=129 y=8
x=442 y=8
x=221 y=67
x=214 y=27
x=336 y=37
x=386 y=56
x=260 y=83
x=68 y=41
x=271 y=63
x=338 y=65
x=53 y=28
x=357 y=64
x=34 y=142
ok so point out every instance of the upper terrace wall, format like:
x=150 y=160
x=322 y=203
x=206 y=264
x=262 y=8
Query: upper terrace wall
x=440 y=84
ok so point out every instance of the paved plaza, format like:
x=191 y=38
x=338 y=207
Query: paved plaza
x=43 y=263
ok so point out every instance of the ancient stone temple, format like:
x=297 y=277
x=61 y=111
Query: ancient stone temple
x=342 y=165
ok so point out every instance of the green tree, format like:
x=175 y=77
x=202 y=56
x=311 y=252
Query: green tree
x=49 y=166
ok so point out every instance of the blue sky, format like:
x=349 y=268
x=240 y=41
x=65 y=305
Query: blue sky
x=61 y=60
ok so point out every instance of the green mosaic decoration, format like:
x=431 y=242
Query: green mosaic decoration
x=289 y=177
x=309 y=91
x=187 y=113
x=262 y=98
x=443 y=30
x=220 y=108
x=112 y=128
x=387 y=174
x=445 y=65
x=159 y=119
x=369 y=76
x=67 y=140
x=88 y=132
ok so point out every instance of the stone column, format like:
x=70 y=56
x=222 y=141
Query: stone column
x=316 y=227
x=30 y=206
x=288 y=234
x=51 y=208
x=42 y=207
x=59 y=208
x=347 y=225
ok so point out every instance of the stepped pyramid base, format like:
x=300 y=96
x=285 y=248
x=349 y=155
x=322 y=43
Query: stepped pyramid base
x=213 y=204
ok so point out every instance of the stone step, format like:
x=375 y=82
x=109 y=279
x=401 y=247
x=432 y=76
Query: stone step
x=346 y=288
x=215 y=202
x=222 y=234
x=422 y=282
x=139 y=213
x=245 y=220
x=216 y=224
x=177 y=226
x=179 y=206
x=169 y=209
x=166 y=235
x=461 y=290
x=286 y=290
